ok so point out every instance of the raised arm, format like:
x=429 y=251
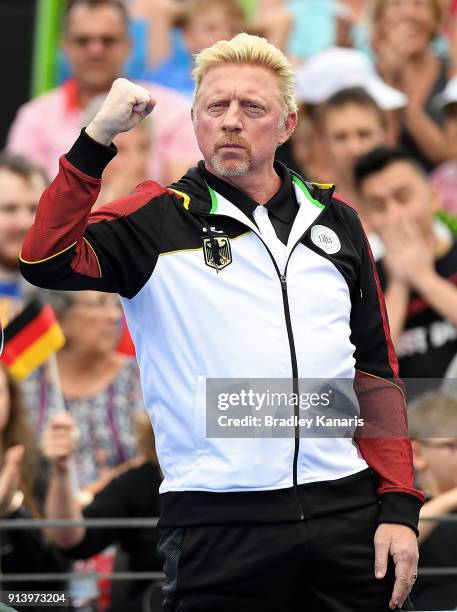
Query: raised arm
x=70 y=248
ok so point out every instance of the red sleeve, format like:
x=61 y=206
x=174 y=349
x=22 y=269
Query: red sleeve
x=61 y=220
x=70 y=248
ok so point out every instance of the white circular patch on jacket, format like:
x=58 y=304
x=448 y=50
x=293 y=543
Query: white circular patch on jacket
x=326 y=239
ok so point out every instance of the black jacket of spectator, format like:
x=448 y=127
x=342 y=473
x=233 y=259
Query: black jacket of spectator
x=134 y=494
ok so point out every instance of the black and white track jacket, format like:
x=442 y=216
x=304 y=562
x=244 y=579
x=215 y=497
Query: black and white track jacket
x=322 y=316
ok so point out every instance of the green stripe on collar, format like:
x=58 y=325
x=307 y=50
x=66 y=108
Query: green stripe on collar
x=303 y=187
x=213 y=195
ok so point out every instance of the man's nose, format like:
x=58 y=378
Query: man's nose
x=232 y=118
x=357 y=148
x=95 y=47
x=394 y=213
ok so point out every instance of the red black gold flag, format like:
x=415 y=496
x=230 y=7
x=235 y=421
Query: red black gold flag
x=30 y=338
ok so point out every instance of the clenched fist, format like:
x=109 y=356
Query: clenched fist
x=124 y=107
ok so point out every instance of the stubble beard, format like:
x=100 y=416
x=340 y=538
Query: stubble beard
x=231 y=167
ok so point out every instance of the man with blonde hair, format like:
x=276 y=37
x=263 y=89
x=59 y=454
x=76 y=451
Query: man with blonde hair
x=241 y=271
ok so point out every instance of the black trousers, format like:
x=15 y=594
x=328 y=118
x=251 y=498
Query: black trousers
x=324 y=564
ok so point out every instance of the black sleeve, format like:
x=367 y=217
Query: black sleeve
x=111 y=502
x=383 y=440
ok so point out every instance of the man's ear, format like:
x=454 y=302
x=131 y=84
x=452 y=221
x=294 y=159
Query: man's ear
x=289 y=126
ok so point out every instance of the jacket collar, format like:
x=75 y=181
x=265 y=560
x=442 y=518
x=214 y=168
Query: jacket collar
x=200 y=198
x=283 y=205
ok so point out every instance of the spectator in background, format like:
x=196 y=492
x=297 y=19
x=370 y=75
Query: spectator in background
x=21 y=185
x=200 y=24
x=433 y=427
x=444 y=177
x=402 y=35
x=418 y=270
x=121 y=498
x=304 y=152
x=101 y=388
x=97 y=45
x=352 y=124
x=21 y=492
x=323 y=76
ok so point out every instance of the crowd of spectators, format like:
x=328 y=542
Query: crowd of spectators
x=377 y=87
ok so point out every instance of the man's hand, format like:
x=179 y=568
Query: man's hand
x=394 y=46
x=400 y=541
x=59 y=440
x=9 y=476
x=124 y=107
x=408 y=256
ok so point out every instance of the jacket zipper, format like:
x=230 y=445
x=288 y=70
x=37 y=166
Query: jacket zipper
x=295 y=388
x=293 y=355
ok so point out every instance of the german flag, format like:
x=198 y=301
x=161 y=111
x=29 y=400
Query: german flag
x=30 y=338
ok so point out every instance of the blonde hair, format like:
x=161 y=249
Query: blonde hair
x=252 y=50
x=379 y=5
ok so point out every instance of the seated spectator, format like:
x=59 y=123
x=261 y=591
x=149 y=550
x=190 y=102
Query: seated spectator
x=433 y=427
x=444 y=177
x=97 y=44
x=200 y=24
x=402 y=36
x=352 y=124
x=21 y=493
x=21 y=185
x=133 y=494
x=330 y=72
x=100 y=387
x=418 y=270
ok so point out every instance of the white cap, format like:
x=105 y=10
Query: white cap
x=337 y=68
x=448 y=95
